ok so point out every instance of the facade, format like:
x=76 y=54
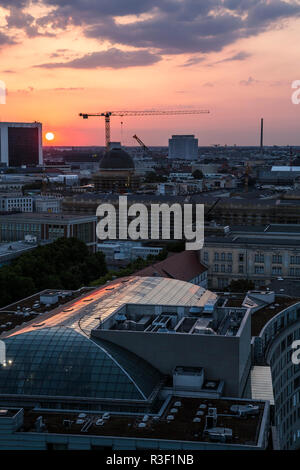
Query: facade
x=183 y=147
x=47 y=204
x=21 y=144
x=223 y=210
x=16 y=202
x=273 y=346
x=48 y=227
x=260 y=254
x=121 y=253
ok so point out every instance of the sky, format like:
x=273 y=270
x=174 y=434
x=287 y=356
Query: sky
x=237 y=58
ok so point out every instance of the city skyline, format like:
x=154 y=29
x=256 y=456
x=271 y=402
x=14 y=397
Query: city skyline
x=238 y=59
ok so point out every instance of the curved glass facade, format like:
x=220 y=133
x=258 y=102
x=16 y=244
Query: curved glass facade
x=275 y=345
x=61 y=362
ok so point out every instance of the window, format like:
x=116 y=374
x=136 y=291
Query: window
x=205 y=256
x=229 y=268
x=222 y=268
x=276 y=270
x=241 y=268
x=277 y=259
x=229 y=256
x=216 y=268
x=259 y=258
x=294 y=272
x=295 y=259
x=222 y=256
x=216 y=256
x=259 y=270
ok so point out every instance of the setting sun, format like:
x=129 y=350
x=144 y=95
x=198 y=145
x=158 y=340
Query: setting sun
x=49 y=136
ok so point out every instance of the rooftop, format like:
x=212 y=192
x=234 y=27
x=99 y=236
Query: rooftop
x=30 y=308
x=15 y=247
x=89 y=311
x=184 y=266
x=181 y=428
x=40 y=216
x=263 y=315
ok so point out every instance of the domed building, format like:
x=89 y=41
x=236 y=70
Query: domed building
x=116 y=172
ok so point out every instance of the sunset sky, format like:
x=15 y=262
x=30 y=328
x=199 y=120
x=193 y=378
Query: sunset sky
x=237 y=58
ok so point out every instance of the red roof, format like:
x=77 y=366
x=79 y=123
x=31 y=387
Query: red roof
x=184 y=266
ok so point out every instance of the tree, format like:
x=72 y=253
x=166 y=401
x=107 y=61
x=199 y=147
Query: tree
x=153 y=177
x=63 y=264
x=197 y=174
x=241 y=285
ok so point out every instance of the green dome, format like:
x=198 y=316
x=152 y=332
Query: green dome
x=116 y=159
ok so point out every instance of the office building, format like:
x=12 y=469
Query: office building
x=21 y=144
x=16 y=202
x=183 y=147
x=48 y=227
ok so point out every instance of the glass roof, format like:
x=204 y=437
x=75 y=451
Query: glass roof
x=85 y=313
x=60 y=361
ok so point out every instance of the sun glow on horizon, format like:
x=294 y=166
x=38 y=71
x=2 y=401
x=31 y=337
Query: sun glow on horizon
x=49 y=136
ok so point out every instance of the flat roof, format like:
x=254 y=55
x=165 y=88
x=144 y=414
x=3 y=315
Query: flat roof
x=62 y=217
x=261 y=317
x=87 y=312
x=236 y=239
x=261 y=383
x=14 y=247
x=245 y=431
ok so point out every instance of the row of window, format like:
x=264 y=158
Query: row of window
x=223 y=268
x=258 y=257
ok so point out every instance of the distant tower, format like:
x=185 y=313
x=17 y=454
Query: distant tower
x=262 y=135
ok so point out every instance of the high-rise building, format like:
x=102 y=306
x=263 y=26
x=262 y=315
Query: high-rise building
x=184 y=147
x=21 y=143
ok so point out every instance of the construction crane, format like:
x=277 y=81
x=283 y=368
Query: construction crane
x=107 y=115
x=141 y=143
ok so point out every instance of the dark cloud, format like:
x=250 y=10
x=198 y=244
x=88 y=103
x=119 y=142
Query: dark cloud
x=112 y=58
x=18 y=19
x=5 y=39
x=193 y=27
x=173 y=27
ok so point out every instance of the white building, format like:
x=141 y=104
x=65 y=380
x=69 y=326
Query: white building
x=16 y=202
x=47 y=204
x=184 y=147
x=21 y=144
x=126 y=251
